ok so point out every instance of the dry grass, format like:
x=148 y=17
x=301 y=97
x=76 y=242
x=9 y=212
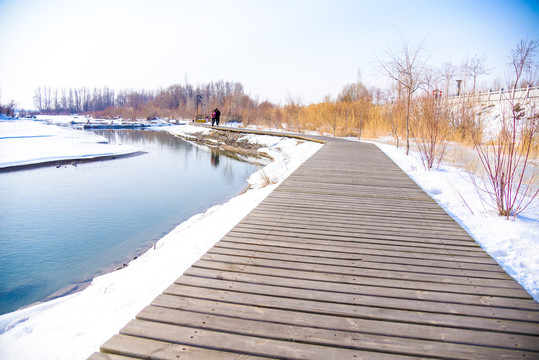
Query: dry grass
x=265 y=179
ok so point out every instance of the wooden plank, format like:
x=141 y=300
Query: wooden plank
x=356 y=311
x=307 y=208
x=355 y=204
x=363 y=263
x=326 y=337
x=426 y=241
x=358 y=207
x=349 y=174
x=276 y=288
x=355 y=227
x=104 y=356
x=250 y=345
x=354 y=220
x=402 y=195
x=396 y=188
x=457 y=236
x=365 y=280
x=327 y=215
x=143 y=347
x=360 y=257
x=351 y=242
x=409 y=227
x=356 y=201
x=332 y=220
x=358 y=250
x=366 y=272
x=363 y=193
x=368 y=326
x=439 y=298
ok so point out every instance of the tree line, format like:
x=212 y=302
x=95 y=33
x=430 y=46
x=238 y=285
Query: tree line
x=175 y=101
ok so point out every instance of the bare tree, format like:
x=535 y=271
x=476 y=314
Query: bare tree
x=266 y=109
x=406 y=66
x=294 y=107
x=506 y=161
x=63 y=100
x=48 y=99
x=392 y=114
x=431 y=79
x=430 y=130
x=9 y=108
x=55 y=101
x=523 y=60
x=448 y=73
x=354 y=92
x=38 y=98
x=475 y=67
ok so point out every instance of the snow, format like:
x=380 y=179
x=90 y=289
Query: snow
x=74 y=326
x=25 y=142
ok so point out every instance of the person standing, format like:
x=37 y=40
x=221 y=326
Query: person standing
x=213 y=114
x=217 y=116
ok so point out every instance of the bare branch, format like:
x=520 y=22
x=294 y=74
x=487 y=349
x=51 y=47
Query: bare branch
x=522 y=59
x=406 y=66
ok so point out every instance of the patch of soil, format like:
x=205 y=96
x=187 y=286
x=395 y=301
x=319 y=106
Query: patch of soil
x=227 y=140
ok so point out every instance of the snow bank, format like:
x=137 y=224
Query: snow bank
x=492 y=116
x=73 y=327
x=26 y=142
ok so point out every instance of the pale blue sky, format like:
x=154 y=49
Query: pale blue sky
x=307 y=49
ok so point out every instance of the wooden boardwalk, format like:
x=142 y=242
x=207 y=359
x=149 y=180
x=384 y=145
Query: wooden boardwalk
x=347 y=259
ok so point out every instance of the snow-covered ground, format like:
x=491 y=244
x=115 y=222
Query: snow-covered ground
x=24 y=142
x=74 y=326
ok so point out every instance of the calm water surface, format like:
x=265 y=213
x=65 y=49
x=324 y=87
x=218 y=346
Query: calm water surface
x=60 y=227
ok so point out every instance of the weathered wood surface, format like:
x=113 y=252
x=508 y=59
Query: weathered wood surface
x=347 y=259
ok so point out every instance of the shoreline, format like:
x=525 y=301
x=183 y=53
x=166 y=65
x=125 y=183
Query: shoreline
x=71 y=161
x=225 y=141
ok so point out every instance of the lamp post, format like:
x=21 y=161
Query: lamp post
x=198 y=100
x=458 y=87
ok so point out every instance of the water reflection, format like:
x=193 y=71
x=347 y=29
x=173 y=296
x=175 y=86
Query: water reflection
x=215 y=158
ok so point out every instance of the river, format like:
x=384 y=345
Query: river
x=63 y=226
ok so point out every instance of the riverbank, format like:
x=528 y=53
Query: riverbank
x=225 y=140
x=29 y=144
x=69 y=162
